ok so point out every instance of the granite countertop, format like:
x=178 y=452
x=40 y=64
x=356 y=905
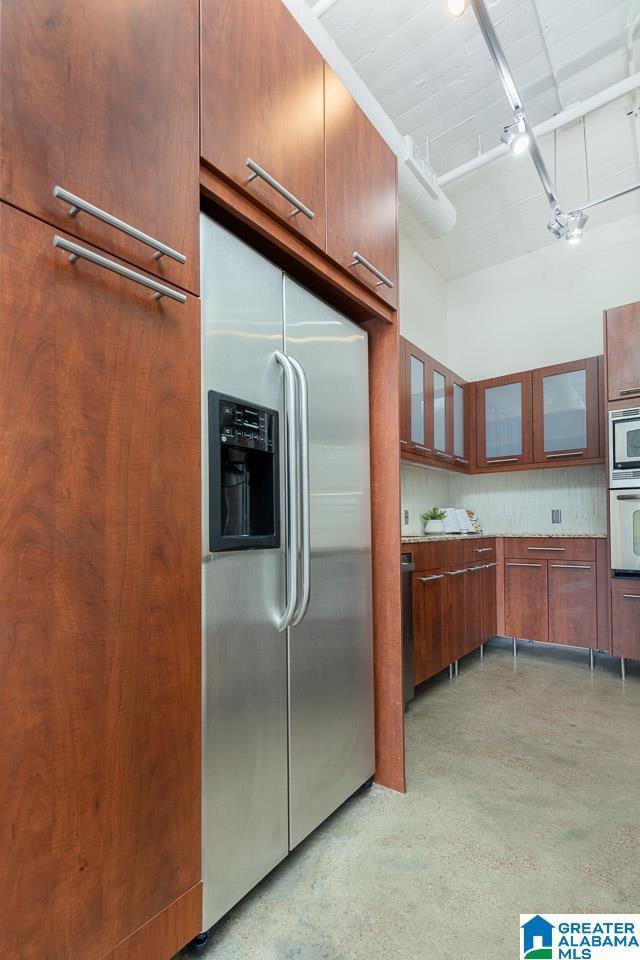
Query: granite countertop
x=527 y=536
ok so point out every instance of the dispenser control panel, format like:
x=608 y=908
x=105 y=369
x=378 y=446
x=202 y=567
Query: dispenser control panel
x=244 y=426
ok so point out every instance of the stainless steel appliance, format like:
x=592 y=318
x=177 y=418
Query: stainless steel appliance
x=407 y=567
x=624 y=448
x=287 y=634
x=625 y=532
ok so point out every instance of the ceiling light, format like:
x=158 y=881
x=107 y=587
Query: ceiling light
x=576 y=225
x=516 y=136
x=456 y=7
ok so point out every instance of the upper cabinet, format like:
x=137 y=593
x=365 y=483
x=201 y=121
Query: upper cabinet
x=262 y=109
x=101 y=101
x=622 y=333
x=414 y=409
x=565 y=411
x=361 y=193
x=504 y=423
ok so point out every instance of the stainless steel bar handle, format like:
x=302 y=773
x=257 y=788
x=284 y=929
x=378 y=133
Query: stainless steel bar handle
x=79 y=205
x=383 y=279
x=437 y=576
x=503 y=460
x=76 y=252
x=305 y=490
x=562 y=456
x=292 y=490
x=570 y=566
x=421 y=447
x=628 y=496
x=482 y=549
x=549 y=549
x=454 y=573
x=258 y=171
x=511 y=563
x=628 y=390
x=631 y=596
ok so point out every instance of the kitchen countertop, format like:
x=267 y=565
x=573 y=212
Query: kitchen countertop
x=525 y=536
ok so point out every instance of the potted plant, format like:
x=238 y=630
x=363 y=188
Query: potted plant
x=434 y=520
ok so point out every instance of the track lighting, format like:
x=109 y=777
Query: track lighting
x=516 y=136
x=456 y=7
x=575 y=228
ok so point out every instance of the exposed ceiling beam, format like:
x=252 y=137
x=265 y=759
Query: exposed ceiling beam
x=571 y=114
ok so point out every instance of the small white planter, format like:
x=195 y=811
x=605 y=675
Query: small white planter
x=434 y=526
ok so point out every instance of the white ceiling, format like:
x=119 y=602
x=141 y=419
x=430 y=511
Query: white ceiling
x=434 y=77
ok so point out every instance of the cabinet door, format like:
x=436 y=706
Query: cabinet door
x=362 y=215
x=504 y=421
x=262 y=100
x=428 y=625
x=99 y=598
x=573 y=615
x=101 y=99
x=525 y=600
x=441 y=400
x=625 y=620
x=455 y=586
x=417 y=366
x=457 y=390
x=489 y=626
x=565 y=412
x=473 y=609
x=622 y=332
x=404 y=382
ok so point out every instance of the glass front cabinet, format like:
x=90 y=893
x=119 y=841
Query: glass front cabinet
x=565 y=412
x=504 y=423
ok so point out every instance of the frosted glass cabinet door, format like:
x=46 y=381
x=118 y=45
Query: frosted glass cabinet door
x=565 y=404
x=416 y=376
x=458 y=422
x=504 y=421
x=439 y=411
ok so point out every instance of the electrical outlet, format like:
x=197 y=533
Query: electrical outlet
x=556 y=516
x=406 y=518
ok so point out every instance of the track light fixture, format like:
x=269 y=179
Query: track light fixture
x=516 y=136
x=456 y=7
x=575 y=227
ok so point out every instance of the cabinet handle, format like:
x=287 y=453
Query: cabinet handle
x=555 y=456
x=258 y=171
x=76 y=252
x=549 y=549
x=441 y=453
x=628 y=496
x=482 y=549
x=420 y=447
x=78 y=205
x=454 y=573
x=570 y=566
x=403 y=443
x=504 y=460
x=475 y=569
x=511 y=563
x=461 y=460
x=382 y=278
x=628 y=390
x=488 y=566
x=631 y=596
x=439 y=576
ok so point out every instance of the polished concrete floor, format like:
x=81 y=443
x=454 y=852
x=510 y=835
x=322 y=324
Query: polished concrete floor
x=523 y=796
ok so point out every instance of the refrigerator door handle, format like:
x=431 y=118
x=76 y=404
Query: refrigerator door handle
x=293 y=533
x=305 y=507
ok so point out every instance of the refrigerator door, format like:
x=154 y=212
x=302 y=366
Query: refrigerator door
x=245 y=826
x=331 y=745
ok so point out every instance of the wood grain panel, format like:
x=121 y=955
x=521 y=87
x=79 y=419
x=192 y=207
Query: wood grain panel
x=622 y=333
x=572 y=604
x=362 y=195
x=428 y=625
x=455 y=624
x=262 y=97
x=603 y=570
x=625 y=619
x=489 y=621
x=102 y=99
x=167 y=933
x=473 y=608
x=526 y=600
x=550 y=548
x=385 y=542
x=592 y=412
x=501 y=629
x=99 y=600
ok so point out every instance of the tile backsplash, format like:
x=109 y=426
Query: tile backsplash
x=519 y=501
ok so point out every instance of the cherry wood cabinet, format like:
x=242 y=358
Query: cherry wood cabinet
x=262 y=100
x=455 y=615
x=622 y=346
x=99 y=598
x=504 y=421
x=101 y=99
x=473 y=609
x=526 y=599
x=573 y=615
x=428 y=624
x=361 y=180
x=625 y=619
x=417 y=412
x=566 y=415
x=489 y=598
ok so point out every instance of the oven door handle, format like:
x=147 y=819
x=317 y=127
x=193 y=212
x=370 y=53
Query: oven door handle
x=628 y=496
x=293 y=512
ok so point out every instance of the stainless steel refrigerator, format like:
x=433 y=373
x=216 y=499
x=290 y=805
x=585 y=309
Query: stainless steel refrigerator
x=287 y=634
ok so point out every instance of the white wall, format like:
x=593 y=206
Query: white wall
x=543 y=308
x=423 y=301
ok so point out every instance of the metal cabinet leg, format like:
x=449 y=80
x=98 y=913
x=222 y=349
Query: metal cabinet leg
x=623 y=668
x=450 y=671
x=456 y=667
x=482 y=651
x=591 y=664
x=515 y=647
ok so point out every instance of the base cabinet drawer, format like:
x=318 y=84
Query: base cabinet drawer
x=526 y=599
x=550 y=548
x=625 y=620
x=573 y=617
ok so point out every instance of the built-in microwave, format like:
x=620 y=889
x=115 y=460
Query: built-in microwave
x=625 y=532
x=624 y=448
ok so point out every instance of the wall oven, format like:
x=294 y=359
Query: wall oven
x=624 y=448
x=625 y=532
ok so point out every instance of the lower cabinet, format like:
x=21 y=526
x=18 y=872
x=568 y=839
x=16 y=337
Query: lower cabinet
x=473 y=609
x=428 y=625
x=455 y=609
x=526 y=599
x=625 y=620
x=573 y=617
x=489 y=598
